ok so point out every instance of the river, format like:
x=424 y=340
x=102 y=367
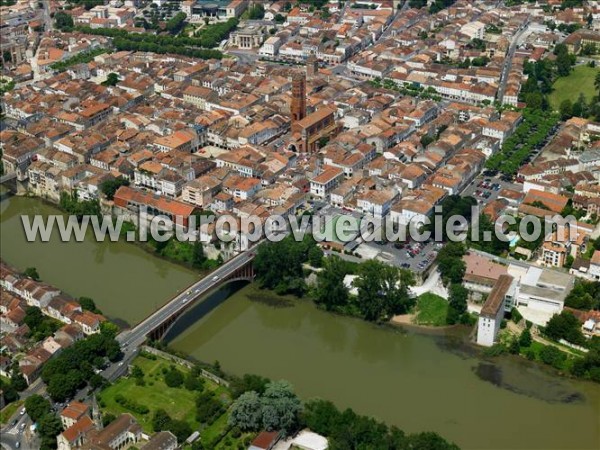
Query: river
x=414 y=379
x=126 y=282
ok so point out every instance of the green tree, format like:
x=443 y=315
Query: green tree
x=331 y=291
x=246 y=412
x=63 y=21
x=280 y=407
x=565 y=326
x=173 y=377
x=111 y=80
x=37 y=407
x=31 y=272
x=566 y=109
x=248 y=382
x=457 y=302
x=597 y=83
x=88 y=304
x=525 y=338
x=315 y=256
x=49 y=426
x=450 y=262
x=160 y=420
x=552 y=356
x=382 y=290
x=111 y=186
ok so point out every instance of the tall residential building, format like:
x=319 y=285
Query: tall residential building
x=298 y=106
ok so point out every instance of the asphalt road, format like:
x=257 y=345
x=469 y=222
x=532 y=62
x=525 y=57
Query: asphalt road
x=508 y=62
x=136 y=336
x=18 y=433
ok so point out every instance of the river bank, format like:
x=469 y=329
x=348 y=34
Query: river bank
x=416 y=379
x=403 y=376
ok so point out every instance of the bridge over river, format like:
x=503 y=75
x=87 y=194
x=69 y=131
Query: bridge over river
x=158 y=323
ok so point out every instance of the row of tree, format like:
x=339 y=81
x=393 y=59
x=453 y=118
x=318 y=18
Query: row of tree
x=348 y=430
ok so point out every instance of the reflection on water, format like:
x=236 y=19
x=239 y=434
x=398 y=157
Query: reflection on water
x=529 y=381
x=418 y=380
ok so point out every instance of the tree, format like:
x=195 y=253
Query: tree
x=552 y=356
x=246 y=412
x=160 y=420
x=173 y=377
x=450 y=262
x=315 y=256
x=382 y=290
x=580 y=108
x=37 y=407
x=49 y=426
x=525 y=338
x=457 y=302
x=514 y=348
x=110 y=187
x=565 y=326
x=597 y=83
x=563 y=60
x=199 y=258
x=566 y=109
x=280 y=407
x=88 y=304
x=208 y=407
x=331 y=292
x=248 y=382
x=256 y=12
x=426 y=140
x=63 y=21
x=193 y=383
x=31 y=272
x=111 y=80
x=181 y=429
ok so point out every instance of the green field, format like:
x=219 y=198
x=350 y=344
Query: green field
x=179 y=403
x=581 y=80
x=431 y=310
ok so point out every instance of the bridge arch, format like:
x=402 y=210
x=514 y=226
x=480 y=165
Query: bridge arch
x=244 y=273
x=199 y=307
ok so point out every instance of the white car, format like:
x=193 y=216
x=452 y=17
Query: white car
x=215 y=278
x=22 y=411
x=184 y=300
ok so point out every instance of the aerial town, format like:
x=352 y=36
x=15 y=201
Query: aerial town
x=408 y=112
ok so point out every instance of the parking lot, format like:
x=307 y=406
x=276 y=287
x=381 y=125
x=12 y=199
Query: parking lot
x=415 y=256
x=486 y=189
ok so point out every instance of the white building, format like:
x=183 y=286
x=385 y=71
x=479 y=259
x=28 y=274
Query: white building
x=492 y=312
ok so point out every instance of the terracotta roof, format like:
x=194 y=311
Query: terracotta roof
x=265 y=439
x=495 y=299
x=127 y=194
x=80 y=427
x=74 y=410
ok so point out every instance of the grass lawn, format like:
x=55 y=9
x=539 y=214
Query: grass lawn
x=431 y=310
x=580 y=80
x=9 y=410
x=179 y=403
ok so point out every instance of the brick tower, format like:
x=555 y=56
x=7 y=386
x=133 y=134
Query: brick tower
x=298 y=106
